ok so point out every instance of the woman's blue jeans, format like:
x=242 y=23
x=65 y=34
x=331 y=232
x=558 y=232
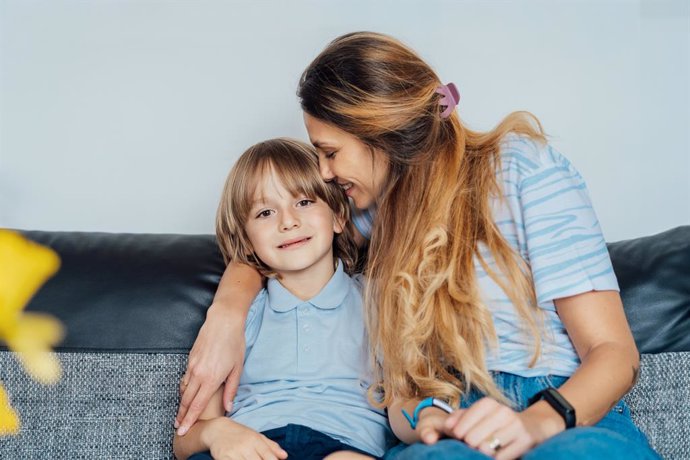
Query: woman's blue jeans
x=614 y=437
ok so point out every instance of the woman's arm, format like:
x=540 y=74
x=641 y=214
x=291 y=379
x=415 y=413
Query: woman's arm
x=400 y=426
x=430 y=427
x=218 y=352
x=597 y=326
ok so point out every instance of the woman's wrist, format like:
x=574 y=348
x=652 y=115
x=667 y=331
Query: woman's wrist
x=543 y=421
x=431 y=412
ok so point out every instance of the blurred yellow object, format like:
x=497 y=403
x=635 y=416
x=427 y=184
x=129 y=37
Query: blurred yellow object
x=9 y=422
x=24 y=267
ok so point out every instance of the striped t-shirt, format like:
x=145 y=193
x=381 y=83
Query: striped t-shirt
x=548 y=218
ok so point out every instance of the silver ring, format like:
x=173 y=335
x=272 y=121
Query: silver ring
x=495 y=444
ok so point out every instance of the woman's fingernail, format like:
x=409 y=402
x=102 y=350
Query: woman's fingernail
x=181 y=431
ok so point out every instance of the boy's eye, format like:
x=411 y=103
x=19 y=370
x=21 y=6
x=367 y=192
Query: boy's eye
x=305 y=202
x=264 y=213
x=330 y=155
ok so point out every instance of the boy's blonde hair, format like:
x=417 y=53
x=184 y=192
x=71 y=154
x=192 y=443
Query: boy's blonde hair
x=296 y=165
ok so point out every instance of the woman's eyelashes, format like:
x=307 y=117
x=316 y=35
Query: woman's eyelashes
x=327 y=151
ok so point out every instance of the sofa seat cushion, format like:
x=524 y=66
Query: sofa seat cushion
x=107 y=405
x=122 y=405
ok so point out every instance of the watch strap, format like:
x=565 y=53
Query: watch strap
x=558 y=403
x=423 y=404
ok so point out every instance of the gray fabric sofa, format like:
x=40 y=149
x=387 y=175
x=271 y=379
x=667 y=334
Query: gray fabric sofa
x=133 y=303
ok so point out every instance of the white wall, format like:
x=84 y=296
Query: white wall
x=124 y=115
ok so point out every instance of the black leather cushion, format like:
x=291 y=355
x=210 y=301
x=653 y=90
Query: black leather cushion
x=142 y=292
x=654 y=276
x=129 y=292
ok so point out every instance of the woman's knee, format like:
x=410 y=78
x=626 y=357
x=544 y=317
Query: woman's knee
x=587 y=443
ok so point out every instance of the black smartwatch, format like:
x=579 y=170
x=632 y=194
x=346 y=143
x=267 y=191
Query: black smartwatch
x=559 y=404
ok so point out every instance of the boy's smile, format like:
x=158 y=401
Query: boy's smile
x=294 y=243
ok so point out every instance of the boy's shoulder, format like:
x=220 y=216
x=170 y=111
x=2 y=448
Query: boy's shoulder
x=257 y=306
x=358 y=282
x=260 y=299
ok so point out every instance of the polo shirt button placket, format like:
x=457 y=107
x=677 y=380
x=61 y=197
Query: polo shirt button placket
x=304 y=311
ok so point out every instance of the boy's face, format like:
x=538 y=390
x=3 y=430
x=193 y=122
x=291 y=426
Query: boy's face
x=292 y=235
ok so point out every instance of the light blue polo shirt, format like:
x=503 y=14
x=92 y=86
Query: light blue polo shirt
x=547 y=217
x=306 y=363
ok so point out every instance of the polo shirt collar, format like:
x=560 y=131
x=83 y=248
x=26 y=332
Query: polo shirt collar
x=330 y=296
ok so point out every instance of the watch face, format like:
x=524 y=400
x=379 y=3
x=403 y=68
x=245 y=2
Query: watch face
x=560 y=399
x=560 y=405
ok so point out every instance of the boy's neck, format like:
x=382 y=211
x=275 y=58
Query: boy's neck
x=306 y=284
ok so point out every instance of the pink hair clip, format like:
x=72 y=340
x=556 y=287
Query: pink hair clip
x=450 y=98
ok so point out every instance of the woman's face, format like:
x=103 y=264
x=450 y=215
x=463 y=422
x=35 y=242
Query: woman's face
x=343 y=158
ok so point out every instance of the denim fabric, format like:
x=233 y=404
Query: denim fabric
x=614 y=437
x=300 y=442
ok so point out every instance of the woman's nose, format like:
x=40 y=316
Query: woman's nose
x=326 y=172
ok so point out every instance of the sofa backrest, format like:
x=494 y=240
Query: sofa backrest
x=129 y=292
x=132 y=305
x=654 y=277
x=146 y=292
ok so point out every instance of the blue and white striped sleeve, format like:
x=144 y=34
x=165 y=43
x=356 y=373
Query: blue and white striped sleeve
x=363 y=219
x=566 y=249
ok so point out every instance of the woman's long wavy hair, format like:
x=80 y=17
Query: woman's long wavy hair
x=295 y=165
x=429 y=329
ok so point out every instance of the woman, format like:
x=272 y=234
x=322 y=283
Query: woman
x=490 y=285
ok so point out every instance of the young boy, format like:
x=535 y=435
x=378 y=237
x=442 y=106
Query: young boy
x=303 y=390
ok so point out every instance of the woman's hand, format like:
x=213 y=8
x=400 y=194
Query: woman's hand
x=500 y=432
x=230 y=441
x=432 y=425
x=216 y=357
